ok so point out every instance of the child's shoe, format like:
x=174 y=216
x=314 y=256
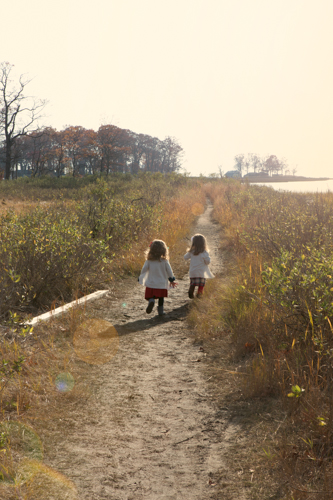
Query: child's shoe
x=160 y=311
x=150 y=306
x=191 y=291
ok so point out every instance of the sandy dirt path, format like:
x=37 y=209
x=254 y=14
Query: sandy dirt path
x=149 y=429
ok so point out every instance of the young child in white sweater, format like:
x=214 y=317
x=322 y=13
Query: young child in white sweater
x=156 y=275
x=199 y=260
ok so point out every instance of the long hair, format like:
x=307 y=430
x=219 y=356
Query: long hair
x=157 y=250
x=198 y=244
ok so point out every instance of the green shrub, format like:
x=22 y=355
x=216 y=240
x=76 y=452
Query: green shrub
x=118 y=219
x=45 y=255
x=301 y=285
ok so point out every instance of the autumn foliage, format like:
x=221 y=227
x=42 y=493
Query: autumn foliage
x=79 y=151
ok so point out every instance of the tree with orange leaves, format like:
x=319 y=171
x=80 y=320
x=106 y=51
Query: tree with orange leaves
x=113 y=143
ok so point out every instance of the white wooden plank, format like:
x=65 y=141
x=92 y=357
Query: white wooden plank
x=66 y=307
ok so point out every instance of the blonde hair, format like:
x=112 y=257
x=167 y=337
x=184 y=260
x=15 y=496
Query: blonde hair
x=157 y=250
x=198 y=244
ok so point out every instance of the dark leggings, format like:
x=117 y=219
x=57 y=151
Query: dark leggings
x=160 y=300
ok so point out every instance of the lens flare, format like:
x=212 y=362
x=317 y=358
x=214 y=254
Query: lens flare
x=124 y=305
x=96 y=341
x=64 y=382
x=197 y=209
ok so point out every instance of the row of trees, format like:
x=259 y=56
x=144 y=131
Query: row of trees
x=269 y=164
x=26 y=149
x=79 y=151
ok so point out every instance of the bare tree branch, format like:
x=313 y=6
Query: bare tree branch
x=18 y=112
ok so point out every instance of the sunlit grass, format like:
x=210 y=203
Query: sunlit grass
x=279 y=313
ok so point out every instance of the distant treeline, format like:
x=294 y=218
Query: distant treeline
x=270 y=165
x=78 y=151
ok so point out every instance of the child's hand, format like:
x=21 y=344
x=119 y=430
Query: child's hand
x=173 y=284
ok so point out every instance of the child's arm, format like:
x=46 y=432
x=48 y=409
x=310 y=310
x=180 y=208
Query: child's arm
x=144 y=272
x=187 y=256
x=145 y=267
x=171 y=277
x=206 y=258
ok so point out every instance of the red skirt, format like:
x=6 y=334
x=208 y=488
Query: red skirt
x=155 y=293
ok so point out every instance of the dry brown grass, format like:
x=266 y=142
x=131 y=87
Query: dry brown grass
x=283 y=351
x=30 y=397
x=16 y=205
x=239 y=383
x=173 y=227
x=214 y=301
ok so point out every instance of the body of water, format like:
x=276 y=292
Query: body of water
x=300 y=186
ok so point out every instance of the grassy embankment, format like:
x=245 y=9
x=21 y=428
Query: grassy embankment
x=278 y=307
x=62 y=238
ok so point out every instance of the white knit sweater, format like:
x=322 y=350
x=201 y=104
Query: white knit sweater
x=155 y=274
x=199 y=265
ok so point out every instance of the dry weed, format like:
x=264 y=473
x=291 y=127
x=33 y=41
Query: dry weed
x=46 y=382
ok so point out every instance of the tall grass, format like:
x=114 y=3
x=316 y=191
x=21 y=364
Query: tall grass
x=279 y=309
x=28 y=398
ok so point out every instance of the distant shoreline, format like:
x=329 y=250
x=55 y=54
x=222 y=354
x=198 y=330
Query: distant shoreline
x=284 y=178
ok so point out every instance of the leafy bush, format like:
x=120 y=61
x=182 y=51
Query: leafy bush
x=45 y=255
x=301 y=285
x=117 y=219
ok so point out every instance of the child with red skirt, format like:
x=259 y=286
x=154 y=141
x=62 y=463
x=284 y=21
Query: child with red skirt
x=156 y=275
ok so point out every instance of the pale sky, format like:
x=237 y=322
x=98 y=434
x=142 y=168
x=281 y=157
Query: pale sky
x=223 y=77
